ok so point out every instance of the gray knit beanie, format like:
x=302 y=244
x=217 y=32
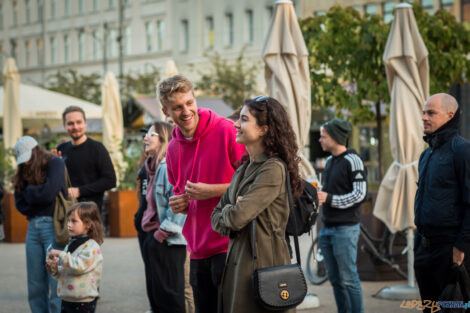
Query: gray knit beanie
x=339 y=130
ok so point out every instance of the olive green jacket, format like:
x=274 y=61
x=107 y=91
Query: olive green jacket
x=261 y=185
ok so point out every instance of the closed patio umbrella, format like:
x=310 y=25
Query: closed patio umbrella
x=12 y=126
x=407 y=69
x=170 y=70
x=287 y=73
x=113 y=125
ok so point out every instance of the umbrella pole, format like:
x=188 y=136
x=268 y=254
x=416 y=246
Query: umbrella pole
x=403 y=292
x=411 y=258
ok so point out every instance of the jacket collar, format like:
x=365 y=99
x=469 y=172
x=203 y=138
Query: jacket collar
x=444 y=133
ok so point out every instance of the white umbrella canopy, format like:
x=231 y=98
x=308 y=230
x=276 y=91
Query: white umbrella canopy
x=39 y=106
x=113 y=124
x=170 y=70
x=406 y=63
x=12 y=126
x=287 y=73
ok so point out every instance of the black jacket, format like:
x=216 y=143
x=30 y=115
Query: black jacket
x=442 y=202
x=39 y=200
x=345 y=181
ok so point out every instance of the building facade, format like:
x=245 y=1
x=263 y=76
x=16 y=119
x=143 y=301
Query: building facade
x=50 y=35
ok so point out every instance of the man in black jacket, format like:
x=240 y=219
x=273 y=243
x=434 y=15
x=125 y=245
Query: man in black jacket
x=344 y=188
x=88 y=162
x=442 y=202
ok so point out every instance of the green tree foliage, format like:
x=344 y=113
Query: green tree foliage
x=448 y=43
x=233 y=80
x=348 y=72
x=140 y=83
x=70 y=82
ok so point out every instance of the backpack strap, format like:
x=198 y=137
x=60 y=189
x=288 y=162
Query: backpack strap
x=291 y=207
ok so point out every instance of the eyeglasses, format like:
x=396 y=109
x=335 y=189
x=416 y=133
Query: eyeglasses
x=152 y=134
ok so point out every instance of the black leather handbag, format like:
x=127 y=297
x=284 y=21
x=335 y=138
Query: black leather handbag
x=282 y=287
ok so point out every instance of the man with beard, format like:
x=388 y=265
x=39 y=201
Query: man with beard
x=88 y=163
x=442 y=202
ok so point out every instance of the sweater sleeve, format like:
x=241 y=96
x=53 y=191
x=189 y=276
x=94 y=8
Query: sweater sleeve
x=107 y=176
x=47 y=192
x=216 y=215
x=462 y=170
x=83 y=262
x=263 y=191
x=358 y=174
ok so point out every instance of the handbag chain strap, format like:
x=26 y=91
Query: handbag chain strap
x=296 y=238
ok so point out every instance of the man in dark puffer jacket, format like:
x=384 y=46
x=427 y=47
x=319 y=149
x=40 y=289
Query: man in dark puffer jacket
x=442 y=202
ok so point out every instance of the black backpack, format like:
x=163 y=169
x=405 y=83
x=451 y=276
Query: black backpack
x=305 y=210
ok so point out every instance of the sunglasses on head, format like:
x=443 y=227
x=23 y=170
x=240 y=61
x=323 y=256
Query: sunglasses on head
x=261 y=98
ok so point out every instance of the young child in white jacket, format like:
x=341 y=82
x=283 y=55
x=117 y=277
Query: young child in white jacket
x=78 y=268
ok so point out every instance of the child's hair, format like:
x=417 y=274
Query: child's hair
x=90 y=215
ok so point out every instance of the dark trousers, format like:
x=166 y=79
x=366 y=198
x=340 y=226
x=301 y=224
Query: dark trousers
x=78 y=307
x=205 y=276
x=165 y=275
x=432 y=268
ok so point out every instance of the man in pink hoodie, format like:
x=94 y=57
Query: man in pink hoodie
x=201 y=160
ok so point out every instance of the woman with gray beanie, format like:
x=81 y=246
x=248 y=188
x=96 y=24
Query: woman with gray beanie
x=38 y=180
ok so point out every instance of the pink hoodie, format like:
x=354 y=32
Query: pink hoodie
x=209 y=157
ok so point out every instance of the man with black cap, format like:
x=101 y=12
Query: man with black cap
x=442 y=202
x=344 y=188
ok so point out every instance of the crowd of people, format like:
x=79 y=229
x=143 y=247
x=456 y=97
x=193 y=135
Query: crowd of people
x=203 y=180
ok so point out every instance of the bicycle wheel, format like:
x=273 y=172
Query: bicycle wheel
x=316 y=271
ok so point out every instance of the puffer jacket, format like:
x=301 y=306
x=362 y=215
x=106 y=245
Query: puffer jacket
x=442 y=202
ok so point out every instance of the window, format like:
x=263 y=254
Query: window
x=53 y=50
x=127 y=2
x=371 y=9
x=268 y=16
x=14 y=47
x=112 y=43
x=249 y=35
x=66 y=49
x=95 y=5
x=149 y=36
x=27 y=56
x=110 y=4
x=160 y=34
x=445 y=3
x=81 y=46
x=66 y=8
x=320 y=13
x=127 y=40
x=96 y=45
x=228 y=29
x=40 y=10
x=357 y=8
x=52 y=9
x=184 y=35
x=388 y=11
x=209 y=32
x=27 y=4
x=40 y=51
x=427 y=4
x=15 y=12
x=81 y=6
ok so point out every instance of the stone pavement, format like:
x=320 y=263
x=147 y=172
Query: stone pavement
x=123 y=285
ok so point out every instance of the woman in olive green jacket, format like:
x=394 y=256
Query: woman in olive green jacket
x=257 y=191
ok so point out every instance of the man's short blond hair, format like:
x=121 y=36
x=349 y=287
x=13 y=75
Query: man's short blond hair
x=171 y=85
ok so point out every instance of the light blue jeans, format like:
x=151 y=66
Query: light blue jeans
x=42 y=287
x=339 y=249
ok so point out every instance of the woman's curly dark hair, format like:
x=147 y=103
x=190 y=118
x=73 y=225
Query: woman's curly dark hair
x=280 y=139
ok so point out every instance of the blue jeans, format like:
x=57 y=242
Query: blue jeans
x=339 y=248
x=42 y=287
